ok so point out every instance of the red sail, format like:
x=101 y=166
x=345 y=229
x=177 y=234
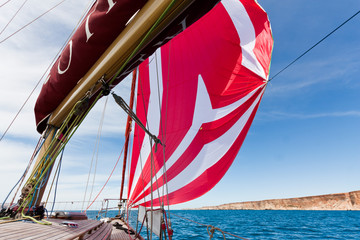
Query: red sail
x=199 y=94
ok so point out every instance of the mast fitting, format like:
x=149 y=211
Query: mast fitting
x=105 y=86
x=119 y=100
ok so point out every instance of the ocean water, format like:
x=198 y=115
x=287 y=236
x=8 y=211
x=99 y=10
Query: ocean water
x=267 y=224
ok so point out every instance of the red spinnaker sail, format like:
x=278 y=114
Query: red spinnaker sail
x=199 y=94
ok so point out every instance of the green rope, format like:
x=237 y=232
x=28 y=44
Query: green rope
x=53 y=155
x=42 y=222
x=78 y=120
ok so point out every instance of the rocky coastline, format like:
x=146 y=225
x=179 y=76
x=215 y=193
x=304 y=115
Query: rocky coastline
x=338 y=201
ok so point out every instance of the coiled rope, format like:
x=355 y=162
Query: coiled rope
x=210 y=228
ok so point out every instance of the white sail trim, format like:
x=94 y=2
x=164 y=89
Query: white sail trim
x=246 y=31
x=69 y=63
x=204 y=113
x=153 y=119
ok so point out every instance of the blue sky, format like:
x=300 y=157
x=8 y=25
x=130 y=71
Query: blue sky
x=303 y=141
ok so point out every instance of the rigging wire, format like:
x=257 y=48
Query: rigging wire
x=35 y=19
x=43 y=180
x=60 y=137
x=140 y=160
x=164 y=135
x=4 y=3
x=21 y=108
x=54 y=148
x=159 y=104
x=97 y=147
x=56 y=176
x=37 y=148
x=106 y=180
x=95 y=151
x=317 y=43
x=57 y=180
x=47 y=69
x=12 y=18
x=160 y=197
x=121 y=102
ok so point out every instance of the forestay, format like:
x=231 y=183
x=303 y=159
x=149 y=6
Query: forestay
x=199 y=94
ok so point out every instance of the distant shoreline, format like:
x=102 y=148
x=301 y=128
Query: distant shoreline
x=202 y=209
x=349 y=201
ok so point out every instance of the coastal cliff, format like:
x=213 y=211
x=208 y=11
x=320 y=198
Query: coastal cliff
x=338 y=201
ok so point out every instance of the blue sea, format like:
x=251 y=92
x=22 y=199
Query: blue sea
x=267 y=224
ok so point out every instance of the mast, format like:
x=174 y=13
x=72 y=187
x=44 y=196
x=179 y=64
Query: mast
x=44 y=161
x=118 y=54
x=127 y=133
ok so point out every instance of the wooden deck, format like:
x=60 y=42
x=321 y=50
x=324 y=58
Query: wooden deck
x=26 y=230
x=87 y=229
x=119 y=234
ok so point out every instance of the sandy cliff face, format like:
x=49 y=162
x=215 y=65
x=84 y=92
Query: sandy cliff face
x=338 y=201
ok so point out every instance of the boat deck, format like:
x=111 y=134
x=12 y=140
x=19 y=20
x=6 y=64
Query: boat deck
x=121 y=232
x=87 y=229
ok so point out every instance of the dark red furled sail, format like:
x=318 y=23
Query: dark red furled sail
x=102 y=24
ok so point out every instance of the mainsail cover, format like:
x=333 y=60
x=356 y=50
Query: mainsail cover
x=102 y=24
x=199 y=94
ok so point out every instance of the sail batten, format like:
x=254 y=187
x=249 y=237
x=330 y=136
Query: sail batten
x=214 y=84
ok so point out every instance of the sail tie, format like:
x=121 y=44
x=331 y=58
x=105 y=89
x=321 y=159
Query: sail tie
x=119 y=100
x=105 y=86
x=212 y=231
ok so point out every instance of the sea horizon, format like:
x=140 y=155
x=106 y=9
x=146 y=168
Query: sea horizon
x=262 y=224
